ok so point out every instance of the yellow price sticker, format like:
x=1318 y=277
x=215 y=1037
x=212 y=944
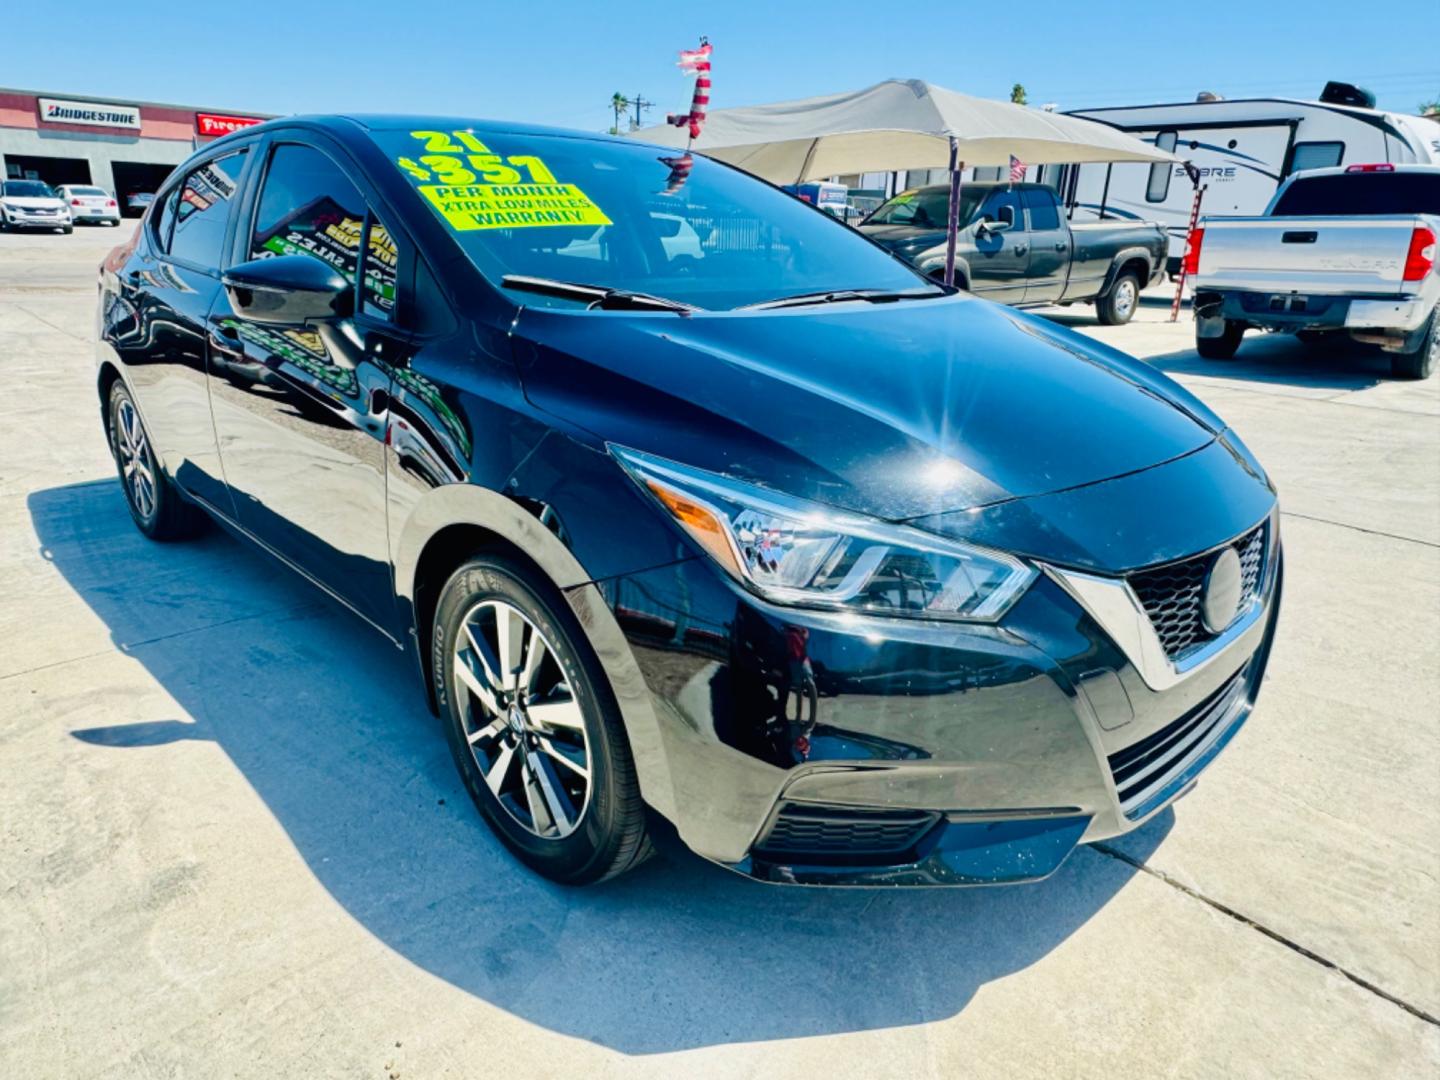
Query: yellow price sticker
x=498 y=197
x=513 y=206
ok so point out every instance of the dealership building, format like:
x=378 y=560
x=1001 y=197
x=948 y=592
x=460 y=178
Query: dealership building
x=122 y=146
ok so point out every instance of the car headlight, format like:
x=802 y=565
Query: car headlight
x=792 y=551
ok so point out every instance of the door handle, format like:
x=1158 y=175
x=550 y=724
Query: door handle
x=225 y=338
x=1021 y=249
x=1061 y=246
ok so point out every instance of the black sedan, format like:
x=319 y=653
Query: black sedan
x=690 y=503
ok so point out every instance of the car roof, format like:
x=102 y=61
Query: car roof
x=346 y=124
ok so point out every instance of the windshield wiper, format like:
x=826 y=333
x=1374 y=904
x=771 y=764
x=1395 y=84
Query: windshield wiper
x=599 y=295
x=836 y=296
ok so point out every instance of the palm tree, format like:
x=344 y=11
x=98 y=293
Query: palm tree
x=619 y=103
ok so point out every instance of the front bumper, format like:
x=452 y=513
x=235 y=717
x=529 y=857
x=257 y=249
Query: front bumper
x=19 y=219
x=784 y=734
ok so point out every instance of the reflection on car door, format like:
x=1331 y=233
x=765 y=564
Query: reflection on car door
x=1000 y=260
x=157 y=318
x=300 y=412
x=1049 y=246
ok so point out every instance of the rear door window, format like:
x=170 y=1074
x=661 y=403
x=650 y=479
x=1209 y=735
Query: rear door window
x=161 y=218
x=202 y=210
x=1044 y=216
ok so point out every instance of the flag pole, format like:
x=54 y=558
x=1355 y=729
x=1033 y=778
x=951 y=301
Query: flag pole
x=952 y=224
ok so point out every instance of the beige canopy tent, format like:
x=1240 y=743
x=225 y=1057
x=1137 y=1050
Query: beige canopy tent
x=900 y=123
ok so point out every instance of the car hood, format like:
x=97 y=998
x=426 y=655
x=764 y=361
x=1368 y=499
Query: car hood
x=904 y=239
x=895 y=410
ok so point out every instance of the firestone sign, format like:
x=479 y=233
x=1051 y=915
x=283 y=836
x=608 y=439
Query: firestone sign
x=91 y=113
x=212 y=124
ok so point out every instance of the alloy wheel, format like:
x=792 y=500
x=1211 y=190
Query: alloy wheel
x=137 y=466
x=521 y=720
x=1125 y=297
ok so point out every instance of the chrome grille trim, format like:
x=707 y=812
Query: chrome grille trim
x=1112 y=603
x=1149 y=772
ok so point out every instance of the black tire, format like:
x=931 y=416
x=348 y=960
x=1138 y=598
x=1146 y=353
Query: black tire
x=1419 y=364
x=609 y=836
x=68 y=229
x=1118 y=304
x=1224 y=346
x=157 y=508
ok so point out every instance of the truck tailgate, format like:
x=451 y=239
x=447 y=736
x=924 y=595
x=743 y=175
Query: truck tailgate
x=1357 y=256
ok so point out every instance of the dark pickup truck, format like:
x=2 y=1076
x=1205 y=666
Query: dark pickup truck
x=1015 y=246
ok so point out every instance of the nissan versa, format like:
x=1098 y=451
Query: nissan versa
x=690 y=501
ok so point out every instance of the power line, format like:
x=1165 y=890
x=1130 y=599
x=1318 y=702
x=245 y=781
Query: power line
x=640 y=103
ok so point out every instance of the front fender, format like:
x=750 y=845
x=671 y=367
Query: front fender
x=514 y=524
x=931 y=264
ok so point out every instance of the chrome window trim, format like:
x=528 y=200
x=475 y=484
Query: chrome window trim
x=1112 y=603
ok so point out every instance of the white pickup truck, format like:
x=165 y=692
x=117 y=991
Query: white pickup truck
x=1344 y=250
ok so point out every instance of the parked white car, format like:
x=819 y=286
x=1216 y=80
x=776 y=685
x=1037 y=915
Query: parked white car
x=32 y=204
x=90 y=205
x=1338 y=251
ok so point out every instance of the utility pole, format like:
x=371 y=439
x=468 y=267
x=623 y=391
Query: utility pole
x=640 y=103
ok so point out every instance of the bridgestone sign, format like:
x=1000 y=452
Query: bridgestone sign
x=60 y=111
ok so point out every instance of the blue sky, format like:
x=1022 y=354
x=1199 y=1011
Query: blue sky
x=558 y=62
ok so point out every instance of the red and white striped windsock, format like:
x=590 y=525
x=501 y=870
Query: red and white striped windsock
x=695 y=62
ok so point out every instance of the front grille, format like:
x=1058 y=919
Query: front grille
x=1170 y=594
x=819 y=834
x=1166 y=759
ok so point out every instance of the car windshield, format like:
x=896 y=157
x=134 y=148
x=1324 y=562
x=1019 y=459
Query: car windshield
x=1361 y=194
x=28 y=189
x=926 y=208
x=632 y=217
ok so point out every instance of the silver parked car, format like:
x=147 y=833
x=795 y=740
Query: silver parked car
x=32 y=204
x=90 y=205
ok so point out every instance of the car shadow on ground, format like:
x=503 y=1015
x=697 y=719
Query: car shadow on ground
x=325 y=720
x=1341 y=366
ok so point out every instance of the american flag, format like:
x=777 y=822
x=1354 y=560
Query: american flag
x=1017 y=170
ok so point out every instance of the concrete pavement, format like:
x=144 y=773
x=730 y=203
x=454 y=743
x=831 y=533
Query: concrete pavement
x=232 y=841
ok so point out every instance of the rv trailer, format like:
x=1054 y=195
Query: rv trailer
x=1241 y=151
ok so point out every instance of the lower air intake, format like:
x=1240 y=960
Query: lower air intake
x=825 y=834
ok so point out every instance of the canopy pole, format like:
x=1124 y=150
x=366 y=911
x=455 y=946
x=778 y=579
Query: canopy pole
x=952 y=224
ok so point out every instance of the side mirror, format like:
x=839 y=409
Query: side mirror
x=994 y=227
x=288 y=290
